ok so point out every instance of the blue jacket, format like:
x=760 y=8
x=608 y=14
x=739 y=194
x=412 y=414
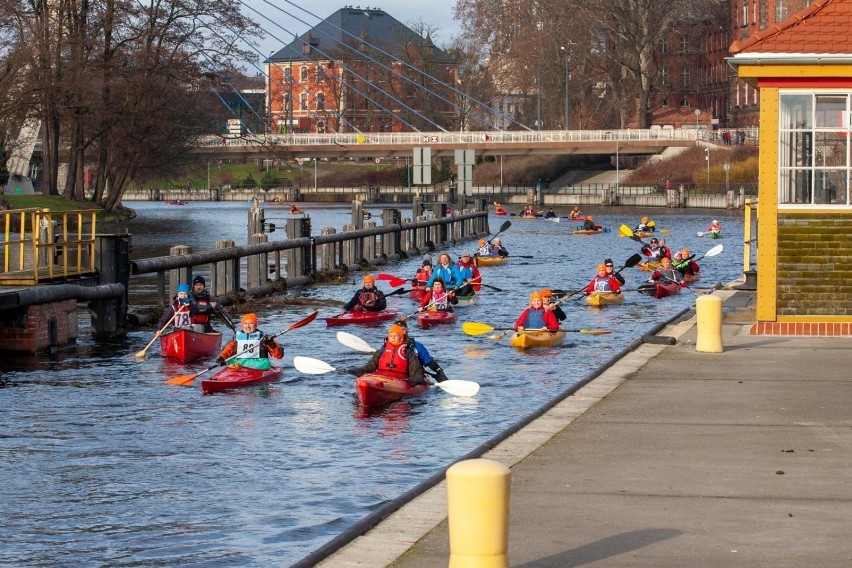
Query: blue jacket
x=451 y=276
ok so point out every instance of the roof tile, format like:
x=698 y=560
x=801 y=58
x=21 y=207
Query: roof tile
x=823 y=27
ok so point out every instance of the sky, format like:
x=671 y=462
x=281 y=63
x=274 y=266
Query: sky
x=436 y=13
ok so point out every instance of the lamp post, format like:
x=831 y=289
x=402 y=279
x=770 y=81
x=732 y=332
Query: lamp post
x=697 y=114
x=567 y=77
x=727 y=167
x=707 y=157
x=538 y=95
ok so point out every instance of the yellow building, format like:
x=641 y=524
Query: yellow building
x=802 y=68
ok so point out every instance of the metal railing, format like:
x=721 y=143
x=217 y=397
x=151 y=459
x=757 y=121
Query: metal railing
x=39 y=244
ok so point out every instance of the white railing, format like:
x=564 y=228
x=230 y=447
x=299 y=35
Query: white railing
x=455 y=138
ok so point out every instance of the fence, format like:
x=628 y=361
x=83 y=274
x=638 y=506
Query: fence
x=40 y=245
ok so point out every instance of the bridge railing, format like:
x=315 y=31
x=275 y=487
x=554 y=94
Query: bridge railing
x=39 y=244
x=453 y=138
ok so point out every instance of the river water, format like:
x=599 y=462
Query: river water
x=102 y=464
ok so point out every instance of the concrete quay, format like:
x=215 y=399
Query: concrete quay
x=671 y=458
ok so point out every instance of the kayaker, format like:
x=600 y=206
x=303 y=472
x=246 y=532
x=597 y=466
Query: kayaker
x=546 y=296
x=182 y=306
x=294 y=209
x=469 y=275
x=368 y=298
x=204 y=306
x=497 y=247
x=550 y=214
x=251 y=347
x=610 y=270
x=589 y=224
x=438 y=298
x=423 y=354
x=652 y=250
x=644 y=226
x=484 y=248
x=536 y=317
x=396 y=358
x=528 y=211
x=446 y=271
x=665 y=252
x=715 y=227
x=666 y=272
x=499 y=208
x=425 y=272
x=575 y=213
x=684 y=263
x=603 y=282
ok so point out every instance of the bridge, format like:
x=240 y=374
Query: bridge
x=401 y=144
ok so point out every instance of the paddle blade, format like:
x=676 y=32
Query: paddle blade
x=476 y=328
x=396 y=282
x=714 y=251
x=354 y=342
x=183 y=380
x=384 y=276
x=140 y=355
x=594 y=331
x=505 y=226
x=302 y=323
x=632 y=261
x=459 y=388
x=311 y=366
x=699 y=234
x=625 y=230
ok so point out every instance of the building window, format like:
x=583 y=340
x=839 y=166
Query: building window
x=303 y=101
x=303 y=73
x=664 y=76
x=684 y=44
x=813 y=144
x=664 y=47
x=320 y=72
x=685 y=103
x=781 y=10
x=684 y=76
x=320 y=101
x=288 y=74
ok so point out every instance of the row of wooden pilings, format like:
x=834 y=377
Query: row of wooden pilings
x=301 y=258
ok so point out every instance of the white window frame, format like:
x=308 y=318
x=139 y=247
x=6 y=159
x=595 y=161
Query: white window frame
x=814 y=139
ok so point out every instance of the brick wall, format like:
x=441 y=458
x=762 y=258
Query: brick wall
x=814 y=264
x=29 y=330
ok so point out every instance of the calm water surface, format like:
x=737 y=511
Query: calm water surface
x=102 y=464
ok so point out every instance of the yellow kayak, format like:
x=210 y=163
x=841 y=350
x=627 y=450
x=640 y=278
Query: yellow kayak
x=604 y=298
x=537 y=338
x=650 y=266
x=490 y=260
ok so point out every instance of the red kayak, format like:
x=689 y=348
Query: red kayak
x=186 y=345
x=232 y=378
x=417 y=293
x=427 y=318
x=660 y=289
x=361 y=318
x=374 y=390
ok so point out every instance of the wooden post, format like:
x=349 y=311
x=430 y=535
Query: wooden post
x=178 y=276
x=358 y=214
x=296 y=262
x=326 y=253
x=256 y=267
x=350 y=248
x=226 y=274
x=369 y=243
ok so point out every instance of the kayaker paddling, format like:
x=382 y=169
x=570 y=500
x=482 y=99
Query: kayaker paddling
x=546 y=296
x=204 y=306
x=180 y=311
x=368 y=298
x=603 y=282
x=251 y=347
x=536 y=317
x=396 y=359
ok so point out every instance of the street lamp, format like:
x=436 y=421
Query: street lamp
x=727 y=168
x=707 y=157
x=567 y=124
x=697 y=114
x=538 y=95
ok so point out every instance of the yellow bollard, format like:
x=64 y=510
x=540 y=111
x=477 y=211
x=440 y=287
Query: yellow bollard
x=708 y=310
x=478 y=504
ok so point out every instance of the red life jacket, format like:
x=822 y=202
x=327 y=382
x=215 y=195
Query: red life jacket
x=393 y=362
x=367 y=298
x=203 y=314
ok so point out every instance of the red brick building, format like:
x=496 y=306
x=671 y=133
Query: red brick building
x=361 y=69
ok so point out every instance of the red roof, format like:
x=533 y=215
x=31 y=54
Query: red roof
x=823 y=27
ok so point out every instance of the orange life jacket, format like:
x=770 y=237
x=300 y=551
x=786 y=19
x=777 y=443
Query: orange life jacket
x=393 y=362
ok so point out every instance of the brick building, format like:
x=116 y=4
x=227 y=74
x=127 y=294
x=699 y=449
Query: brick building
x=801 y=69
x=360 y=69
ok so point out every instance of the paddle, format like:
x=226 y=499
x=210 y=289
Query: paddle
x=712 y=252
x=186 y=380
x=392 y=280
x=477 y=328
x=629 y=263
x=625 y=231
x=505 y=226
x=225 y=318
x=311 y=366
x=140 y=355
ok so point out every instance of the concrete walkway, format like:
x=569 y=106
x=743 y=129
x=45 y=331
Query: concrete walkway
x=672 y=458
